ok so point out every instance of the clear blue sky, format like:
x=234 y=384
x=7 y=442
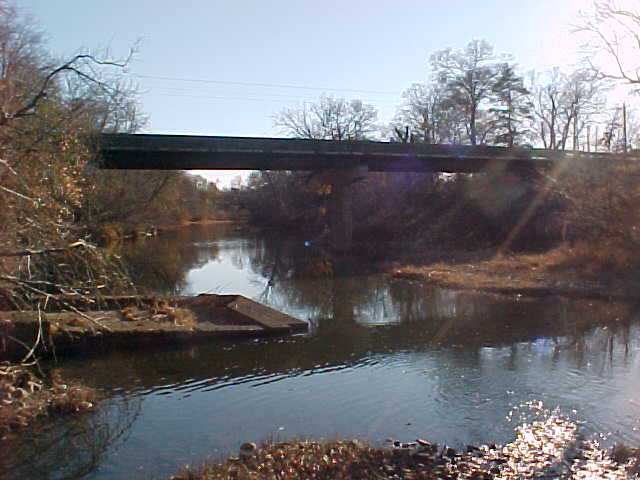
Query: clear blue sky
x=354 y=49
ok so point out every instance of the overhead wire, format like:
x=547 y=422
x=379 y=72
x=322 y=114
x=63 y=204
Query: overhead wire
x=276 y=99
x=270 y=94
x=203 y=90
x=263 y=84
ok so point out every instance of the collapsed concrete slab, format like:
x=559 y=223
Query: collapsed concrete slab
x=142 y=320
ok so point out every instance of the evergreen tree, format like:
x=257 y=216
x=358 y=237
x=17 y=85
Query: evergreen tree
x=513 y=107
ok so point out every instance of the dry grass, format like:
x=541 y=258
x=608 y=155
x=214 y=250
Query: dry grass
x=25 y=398
x=602 y=260
x=161 y=312
x=538 y=451
x=582 y=270
x=303 y=460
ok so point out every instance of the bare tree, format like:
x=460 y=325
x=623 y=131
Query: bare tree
x=468 y=76
x=426 y=112
x=614 y=30
x=612 y=136
x=44 y=155
x=329 y=118
x=564 y=104
x=109 y=104
x=28 y=76
x=22 y=61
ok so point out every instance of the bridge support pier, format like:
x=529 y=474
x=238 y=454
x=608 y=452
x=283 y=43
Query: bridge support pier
x=340 y=209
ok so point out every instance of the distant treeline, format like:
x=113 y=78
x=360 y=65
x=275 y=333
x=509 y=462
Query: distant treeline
x=123 y=202
x=474 y=96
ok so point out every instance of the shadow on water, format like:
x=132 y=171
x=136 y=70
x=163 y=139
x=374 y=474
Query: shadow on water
x=70 y=448
x=383 y=358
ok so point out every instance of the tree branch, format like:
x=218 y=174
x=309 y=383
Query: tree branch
x=69 y=66
x=28 y=252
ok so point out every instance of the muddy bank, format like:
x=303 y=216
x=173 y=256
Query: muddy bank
x=552 y=273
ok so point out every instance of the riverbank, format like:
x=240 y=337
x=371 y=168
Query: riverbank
x=111 y=233
x=542 y=449
x=579 y=271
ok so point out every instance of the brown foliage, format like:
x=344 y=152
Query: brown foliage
x=45 y=125
x=601 y=198
x=605 y=260
x=25 y=398
x=308 y=459
x=538 y=445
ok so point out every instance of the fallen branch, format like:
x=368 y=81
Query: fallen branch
x=26 y=284
x=24 y=281
x=28 y=252
x=32 y=350
x=24 y=197
x=84 y=315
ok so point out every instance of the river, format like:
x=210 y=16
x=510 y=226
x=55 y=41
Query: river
x=383 y=358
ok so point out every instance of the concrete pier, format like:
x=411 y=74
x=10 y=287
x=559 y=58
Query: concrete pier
x=340 y=208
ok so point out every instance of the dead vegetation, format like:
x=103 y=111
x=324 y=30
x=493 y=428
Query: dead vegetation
x=540 y=450
x=25 y=398
x=581 y=270
x=50 y=113
x=160 y=311
x=305 y=459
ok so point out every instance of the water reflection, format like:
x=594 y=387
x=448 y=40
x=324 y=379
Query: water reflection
x=385 y=358
x=69 y=448
x=160 y=264
x=371 y=382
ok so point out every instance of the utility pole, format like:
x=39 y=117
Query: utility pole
x=588 y=138
x=624 y=127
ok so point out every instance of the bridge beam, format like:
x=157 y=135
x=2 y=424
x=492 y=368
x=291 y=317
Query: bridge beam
x=340 y=205
x=186 y=152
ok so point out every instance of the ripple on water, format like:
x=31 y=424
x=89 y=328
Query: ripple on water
x=375 y=382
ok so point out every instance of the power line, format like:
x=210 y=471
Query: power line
x=278 y=99
x=287 y=96
x=259 y=84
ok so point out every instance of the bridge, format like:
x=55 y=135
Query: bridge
x=344 y=161
x=188 y=152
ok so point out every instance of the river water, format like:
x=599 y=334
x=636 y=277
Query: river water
x=383 y=358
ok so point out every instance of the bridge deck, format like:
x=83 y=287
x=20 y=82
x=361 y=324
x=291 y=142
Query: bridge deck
x=185 y=152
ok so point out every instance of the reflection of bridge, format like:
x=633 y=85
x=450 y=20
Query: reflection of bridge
x=346 y=161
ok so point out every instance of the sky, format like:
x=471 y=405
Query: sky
x=225 y=67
